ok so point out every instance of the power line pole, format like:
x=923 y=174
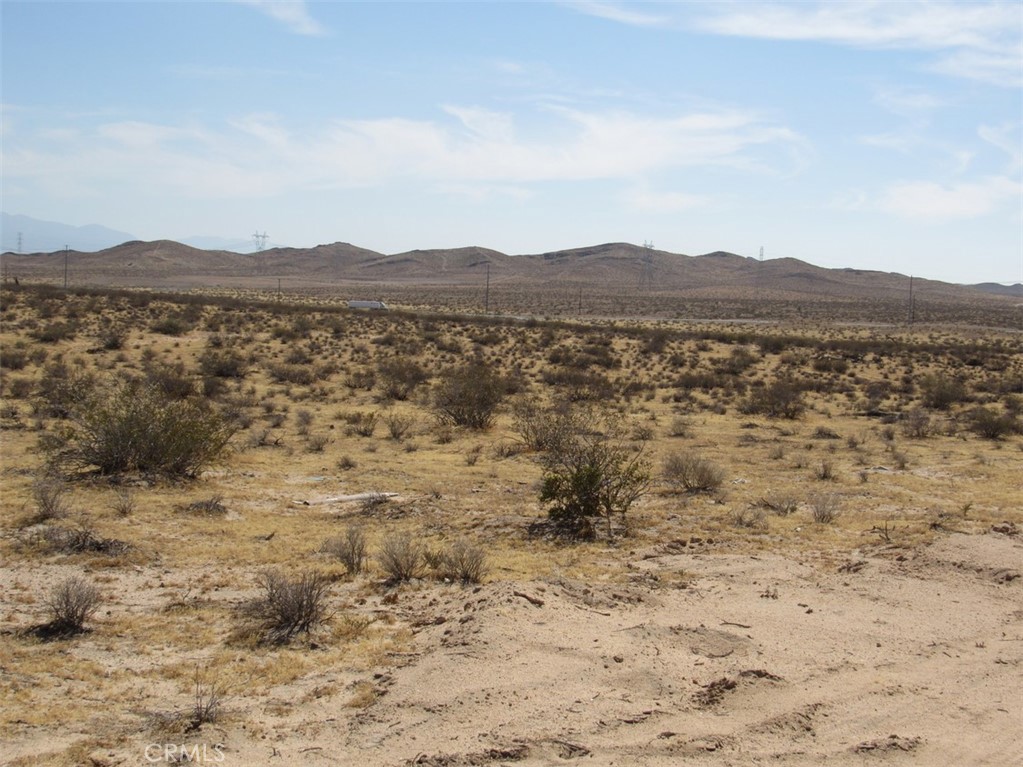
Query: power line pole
x=911 y=308
x=486 y=296
x=65 y=266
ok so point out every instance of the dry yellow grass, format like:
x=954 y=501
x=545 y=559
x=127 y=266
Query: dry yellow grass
x=171 y=601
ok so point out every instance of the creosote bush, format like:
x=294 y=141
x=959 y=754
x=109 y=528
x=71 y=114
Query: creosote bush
x=544 y=429
x=781 y=399
x=592 y=475
x=469 y=396
x=138 y=427
x=685 y=472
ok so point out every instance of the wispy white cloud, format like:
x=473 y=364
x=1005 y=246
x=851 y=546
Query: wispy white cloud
x=294 y=14
x=619 y=12
x=1007 y=137
x=652 y=201
x=929 y=200
x=261 y=155
x=977 y=40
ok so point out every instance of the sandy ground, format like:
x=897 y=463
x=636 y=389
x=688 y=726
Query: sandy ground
x=705 y=658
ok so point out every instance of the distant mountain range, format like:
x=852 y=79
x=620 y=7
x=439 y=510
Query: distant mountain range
x=24 y=234
x=608 y=267
x=104 y=256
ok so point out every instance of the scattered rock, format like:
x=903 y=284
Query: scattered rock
x=891 y=743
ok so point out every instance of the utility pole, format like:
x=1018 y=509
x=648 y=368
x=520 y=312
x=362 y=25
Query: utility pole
x=486 y=296
x=65 y=266
x=911 y=308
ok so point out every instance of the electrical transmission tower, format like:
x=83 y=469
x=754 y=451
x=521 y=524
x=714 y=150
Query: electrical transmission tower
x=260 y=239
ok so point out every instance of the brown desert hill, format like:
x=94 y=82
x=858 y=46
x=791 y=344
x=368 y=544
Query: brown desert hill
x=459 y=265
x=335 y=260
x=136 y=258
x=609 y=267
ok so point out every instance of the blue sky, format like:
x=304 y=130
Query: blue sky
x=874 y=135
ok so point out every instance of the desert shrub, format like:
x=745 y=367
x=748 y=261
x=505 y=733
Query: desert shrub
x=111 y=338
x=349 y=548
x=463 y=563
x=210 y=507
x=830 y=364
x=916 y=424
x=680 y=427
x=50 y=495
x=781 y=399
x=825 y=470
x=398 y=377
x=989 y=424
x=686 y=472
x=592 y=475
x=362 y=424
x=62 y=388
x=222 y=363
x=206 y=701
x=71 y=604
x=398 y=425
x=468 y=396
x=750 y=518
x=54 y=332
x=80 y=539
x=737 y=363
x=137 y=427
x=173 y=380
x=171 y=326
x=13 y=359
x=781 y=504
x=361 y=379
x=545 y=428
x=301 y=375
x=580 y=385
x=401 y=556
x=940 y=392
x=124 y=504
x=825 y=508
x=290 y=606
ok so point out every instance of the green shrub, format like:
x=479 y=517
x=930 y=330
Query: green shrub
x=62 y=388
x=469 y=396
x=592 y=475
x=990 y=424
x=138 y=427
x=940 y=392
x=781 y=399
x=398 y=377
